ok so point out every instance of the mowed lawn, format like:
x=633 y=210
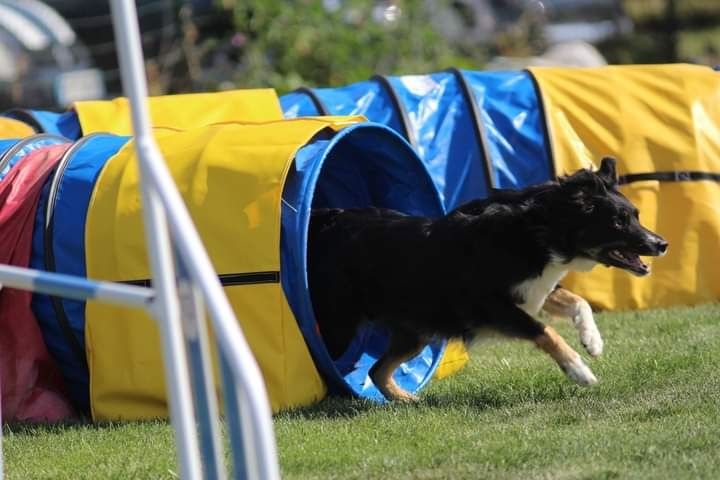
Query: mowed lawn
x=510 y=414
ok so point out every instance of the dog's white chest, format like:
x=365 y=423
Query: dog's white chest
x=534 y=291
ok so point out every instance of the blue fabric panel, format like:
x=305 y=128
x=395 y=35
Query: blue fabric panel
x=445 y=135
x=29 y=144
x=6 y=144
x=65 y=124
x=48 y=120
x=297 y=104
x=514 y=127
x=365 y=98
x=68 y=124
x=442 y=124
x=362 y=165
x=68 y=224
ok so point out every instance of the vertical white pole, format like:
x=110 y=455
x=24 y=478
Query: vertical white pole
x=198 y=347
x=166 y=307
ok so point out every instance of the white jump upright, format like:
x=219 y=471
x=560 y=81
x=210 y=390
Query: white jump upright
x=176 y=301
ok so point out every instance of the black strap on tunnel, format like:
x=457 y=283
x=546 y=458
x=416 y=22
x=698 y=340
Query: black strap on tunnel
x=25 y=117
x=544 y=122
x=228 y=279
x=49 y=252
x=407 y=132
x=316 y=101
x=672 y=176
x=478 y=127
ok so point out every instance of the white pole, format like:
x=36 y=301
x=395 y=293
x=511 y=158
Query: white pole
x=254 y=405
x=167 y=310
x=69 y=286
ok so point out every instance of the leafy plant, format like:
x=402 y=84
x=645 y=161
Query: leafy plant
x=286 y=44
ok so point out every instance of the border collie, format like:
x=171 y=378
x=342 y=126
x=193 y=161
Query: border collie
x=489 y=264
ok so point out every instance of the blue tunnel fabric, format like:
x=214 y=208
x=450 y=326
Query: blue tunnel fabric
x=444 y=131
x=59 y=246
x=442 y=124
x=6 y=144
x=65 y=124
x=360 y=166
x=514 y=126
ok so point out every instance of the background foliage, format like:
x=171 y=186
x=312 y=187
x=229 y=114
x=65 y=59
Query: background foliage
x=285 y=44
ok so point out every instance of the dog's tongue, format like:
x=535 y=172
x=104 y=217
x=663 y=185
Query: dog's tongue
x=638 y=265
x=632 y=262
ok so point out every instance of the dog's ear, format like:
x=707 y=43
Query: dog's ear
x=607 y=172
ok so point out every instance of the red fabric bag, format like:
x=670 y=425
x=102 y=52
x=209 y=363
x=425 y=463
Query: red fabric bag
x=30 y=383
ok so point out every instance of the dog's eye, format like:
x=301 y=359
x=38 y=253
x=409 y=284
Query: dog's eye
x=588 y=208
x=620 y=222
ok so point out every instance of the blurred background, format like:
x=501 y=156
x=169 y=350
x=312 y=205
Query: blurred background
x=53 y=52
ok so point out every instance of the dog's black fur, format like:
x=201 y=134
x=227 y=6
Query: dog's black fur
x=425 y=278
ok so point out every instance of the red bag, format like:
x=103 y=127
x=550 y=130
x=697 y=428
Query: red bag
x=30 y=384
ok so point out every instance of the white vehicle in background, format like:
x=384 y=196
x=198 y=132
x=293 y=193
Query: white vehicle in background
x=42 y=63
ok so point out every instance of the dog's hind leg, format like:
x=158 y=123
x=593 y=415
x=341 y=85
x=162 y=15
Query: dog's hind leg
x=402 y=347
x=513 y=321
x=564 y=303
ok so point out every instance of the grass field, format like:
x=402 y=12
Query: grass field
x=510 y=414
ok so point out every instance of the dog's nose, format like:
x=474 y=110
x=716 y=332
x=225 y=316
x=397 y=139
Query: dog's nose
x=662 y=246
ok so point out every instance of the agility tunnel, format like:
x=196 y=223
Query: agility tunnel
x=243 y=184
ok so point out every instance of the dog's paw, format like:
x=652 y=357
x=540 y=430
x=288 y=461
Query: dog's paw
x=578 y=372
x=397 y=394
x=587 y=328
x=591 y=340
x=405 y=397
x=392 y=392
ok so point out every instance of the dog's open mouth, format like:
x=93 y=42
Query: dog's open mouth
x=626 y=260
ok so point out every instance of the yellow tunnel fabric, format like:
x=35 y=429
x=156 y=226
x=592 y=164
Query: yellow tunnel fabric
x=182 y=112
x=11 y=128
x=454 y=358
x=658 y=118
x=231 y=177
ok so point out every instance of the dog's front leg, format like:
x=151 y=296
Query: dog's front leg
x=564 y=303
x=403 y=346
x=511 y=320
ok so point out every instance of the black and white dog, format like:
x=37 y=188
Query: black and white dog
x=490 y=264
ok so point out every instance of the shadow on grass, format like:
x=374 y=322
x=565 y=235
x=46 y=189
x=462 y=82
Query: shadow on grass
x=481 y=398
x=332 y=407
x=84 y=423
x=501 y=396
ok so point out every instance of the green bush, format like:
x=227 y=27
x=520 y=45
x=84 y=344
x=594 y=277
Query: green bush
x=286 y=44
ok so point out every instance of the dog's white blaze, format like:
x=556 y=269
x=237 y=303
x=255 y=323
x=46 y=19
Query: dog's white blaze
x=581 y=265
x=534 y=291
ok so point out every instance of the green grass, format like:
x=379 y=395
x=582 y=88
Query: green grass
x=509 y=414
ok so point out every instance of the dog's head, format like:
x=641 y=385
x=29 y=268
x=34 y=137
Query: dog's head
x=600 y=223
